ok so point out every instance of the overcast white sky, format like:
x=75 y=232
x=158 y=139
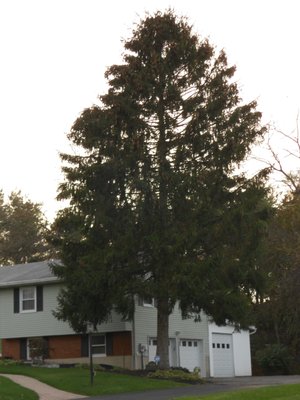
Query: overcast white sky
x=54 y=54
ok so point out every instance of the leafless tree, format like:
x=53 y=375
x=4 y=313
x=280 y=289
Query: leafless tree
x=283 y=157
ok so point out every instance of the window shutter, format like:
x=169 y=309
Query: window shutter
x=109 y=344
x=84 y=346
x=23 y=349
x=46 y=343
x=39 y=298
x=16 y=300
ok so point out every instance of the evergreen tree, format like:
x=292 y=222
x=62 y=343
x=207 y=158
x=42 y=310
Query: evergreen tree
x=278 y=310
x=156 y=208
x=23 y=231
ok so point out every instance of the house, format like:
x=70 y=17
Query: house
x=28 y=296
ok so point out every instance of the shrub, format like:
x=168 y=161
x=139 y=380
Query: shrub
x=274 y=359
x=38 y=349
x=151 y=366
x=180 y=369
x=8 y=361
x=176 y=375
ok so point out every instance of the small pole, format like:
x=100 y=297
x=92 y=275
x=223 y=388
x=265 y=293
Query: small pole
x=91 y=359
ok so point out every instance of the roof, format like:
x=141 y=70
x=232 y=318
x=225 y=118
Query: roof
x=24 y=274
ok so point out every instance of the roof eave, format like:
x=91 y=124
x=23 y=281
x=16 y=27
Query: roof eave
x=30 y=282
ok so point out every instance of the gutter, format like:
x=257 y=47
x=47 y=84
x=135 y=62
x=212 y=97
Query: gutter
x=29 y=282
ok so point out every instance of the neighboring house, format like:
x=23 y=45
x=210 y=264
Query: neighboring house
x=28 y=296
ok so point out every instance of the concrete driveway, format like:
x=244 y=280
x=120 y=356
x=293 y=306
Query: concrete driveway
x=214 y=385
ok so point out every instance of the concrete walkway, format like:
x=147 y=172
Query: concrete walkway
x=45 y=392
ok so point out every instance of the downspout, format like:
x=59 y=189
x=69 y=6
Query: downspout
x=252 y=330
x=177 y=344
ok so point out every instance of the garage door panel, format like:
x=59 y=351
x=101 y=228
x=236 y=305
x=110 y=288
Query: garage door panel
x=189 y=353
x=222 y=355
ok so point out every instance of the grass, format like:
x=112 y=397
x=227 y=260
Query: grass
x=77 y=380
x=282 y=392
x=11 y=391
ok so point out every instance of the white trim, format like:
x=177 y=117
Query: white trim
x=29 y=282
x=22 y=299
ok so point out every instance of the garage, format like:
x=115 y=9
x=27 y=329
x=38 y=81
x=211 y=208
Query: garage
x=222 y=352
x=152 y=345
x=189 y=353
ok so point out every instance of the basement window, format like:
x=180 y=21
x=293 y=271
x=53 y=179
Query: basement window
x=98 y=345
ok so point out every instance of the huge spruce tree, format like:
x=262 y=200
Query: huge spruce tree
x=156 y=208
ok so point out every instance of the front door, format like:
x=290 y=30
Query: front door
x=152 y=346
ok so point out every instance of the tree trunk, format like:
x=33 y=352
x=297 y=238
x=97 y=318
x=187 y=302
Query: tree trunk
x=163 y=333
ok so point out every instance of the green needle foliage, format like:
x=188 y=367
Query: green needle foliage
x=156 y=208
x=277 y=311
x=23 y=231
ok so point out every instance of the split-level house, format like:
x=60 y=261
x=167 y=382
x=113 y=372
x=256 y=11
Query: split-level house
x=28 y=296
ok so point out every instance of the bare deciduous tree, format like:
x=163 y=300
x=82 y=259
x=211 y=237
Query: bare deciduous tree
x=283 y=157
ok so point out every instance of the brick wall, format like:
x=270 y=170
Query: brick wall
x=11 y=348
x=69 y=346
x=64 y=346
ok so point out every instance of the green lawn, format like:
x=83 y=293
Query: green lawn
x=77 y=380
x=11 y=391
x=283 y=392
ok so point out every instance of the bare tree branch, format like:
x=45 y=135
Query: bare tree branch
x=278 y=156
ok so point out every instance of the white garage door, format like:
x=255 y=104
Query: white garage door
x=189 y=353
x=222 y=355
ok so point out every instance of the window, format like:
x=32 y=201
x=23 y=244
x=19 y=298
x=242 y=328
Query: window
x=98 y=345
x=28 y=299
x=148 y=302
x=227 y=346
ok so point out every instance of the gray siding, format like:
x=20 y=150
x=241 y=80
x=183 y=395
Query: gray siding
x=43 y=323
x=145 y=327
